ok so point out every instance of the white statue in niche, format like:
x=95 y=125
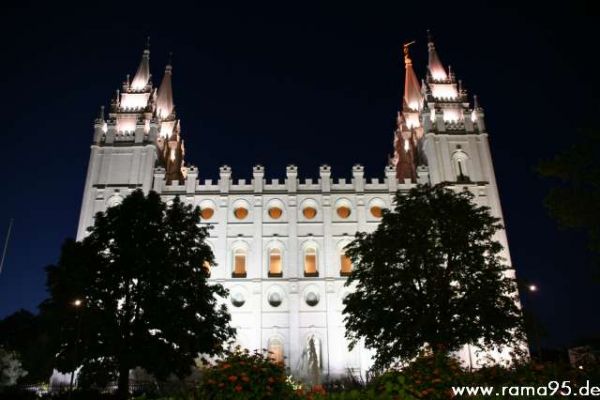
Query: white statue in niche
x=310 y=361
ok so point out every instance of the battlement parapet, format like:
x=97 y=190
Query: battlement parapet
x=325 y=183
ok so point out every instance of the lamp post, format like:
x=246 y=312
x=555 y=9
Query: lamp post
x=533 y=289
x=77 y=303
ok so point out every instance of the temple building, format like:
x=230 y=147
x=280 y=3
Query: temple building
x=279 y=243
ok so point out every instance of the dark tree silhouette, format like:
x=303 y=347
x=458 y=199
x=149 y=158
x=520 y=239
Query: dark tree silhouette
x=25 y=333
x=574 y=202
x=431 y=275
x=145 y=299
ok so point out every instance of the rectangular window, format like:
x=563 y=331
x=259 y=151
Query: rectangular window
x=275 y=269
x=239 y=269
x=310 y=263
x=346 y=265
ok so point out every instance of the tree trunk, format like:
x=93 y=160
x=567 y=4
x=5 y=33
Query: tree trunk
x=123 y=383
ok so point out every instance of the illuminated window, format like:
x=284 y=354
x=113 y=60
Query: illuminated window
x=275 y=349
x=240 y=212
x=275 y=267
x=275 y=212
x=345 y=264
x=239 y=263
x=206 y=268
x=376 y=207
x=206 y=213
x=343 y=212
x=310 y=262
x=376 y=211
x=309 y=212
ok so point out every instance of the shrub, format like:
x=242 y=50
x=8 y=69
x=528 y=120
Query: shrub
x=246 y=375
x=428 y=376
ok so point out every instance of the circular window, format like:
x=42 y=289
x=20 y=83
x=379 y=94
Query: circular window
x=275 y=299
x=312 y=299
x=206 y=213
x=275 y=212
x=309 y=212
x=240 y=212
x=237 y=299
x=114 y=200
x=343 y=212
x=376 y=211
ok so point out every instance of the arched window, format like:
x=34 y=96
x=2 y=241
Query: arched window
x=310 y=261
x=460 y=166
x=345 y=264
x=275 y=263
x=239 y=263
x=275 y=349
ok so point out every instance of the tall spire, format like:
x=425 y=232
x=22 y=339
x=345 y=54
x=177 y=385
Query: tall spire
x=412 y=90
x=142 y=76
x=164 y=99
x=436 y=69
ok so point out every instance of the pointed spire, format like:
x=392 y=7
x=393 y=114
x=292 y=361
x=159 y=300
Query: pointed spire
x=164 y=98
x=412 y=91
x=101 y=114
x=142 y=76
x=475 y=102
x=436 y=69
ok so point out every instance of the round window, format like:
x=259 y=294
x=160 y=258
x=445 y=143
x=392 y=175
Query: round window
x=275 y=299
x=240 y=212
x=207 y=213
x=376 y=211
x=343 y=212
x=275 y=212
x=309 y=212
x=237 y=299
x=312 y=299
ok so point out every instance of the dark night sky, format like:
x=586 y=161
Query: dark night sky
x=295 y=84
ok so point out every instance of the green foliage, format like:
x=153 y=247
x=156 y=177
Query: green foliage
x=427 y=377
x=246 y=375
x=430 y=274
x=574 y=201
x=145 y=299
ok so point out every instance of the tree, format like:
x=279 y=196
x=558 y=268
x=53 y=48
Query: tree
x=10 y=368
x=574 y=202
x=25 y=334
x=134 y=293
x=430 y=275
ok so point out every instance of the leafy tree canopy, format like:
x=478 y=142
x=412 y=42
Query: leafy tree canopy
x=431 y=275
x=145 y=299
x=574 y=202
x=26 y=334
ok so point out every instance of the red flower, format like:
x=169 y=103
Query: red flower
x=232 y=378
x=238 y=388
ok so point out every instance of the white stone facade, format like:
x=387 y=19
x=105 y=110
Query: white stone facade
x=288 y=310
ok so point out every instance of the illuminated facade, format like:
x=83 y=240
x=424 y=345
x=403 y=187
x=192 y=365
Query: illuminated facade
x=279 y=243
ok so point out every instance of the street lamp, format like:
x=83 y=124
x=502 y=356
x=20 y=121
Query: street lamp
x=533 y=288
x=77 y=303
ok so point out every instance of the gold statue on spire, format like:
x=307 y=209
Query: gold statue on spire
x=407 y=59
